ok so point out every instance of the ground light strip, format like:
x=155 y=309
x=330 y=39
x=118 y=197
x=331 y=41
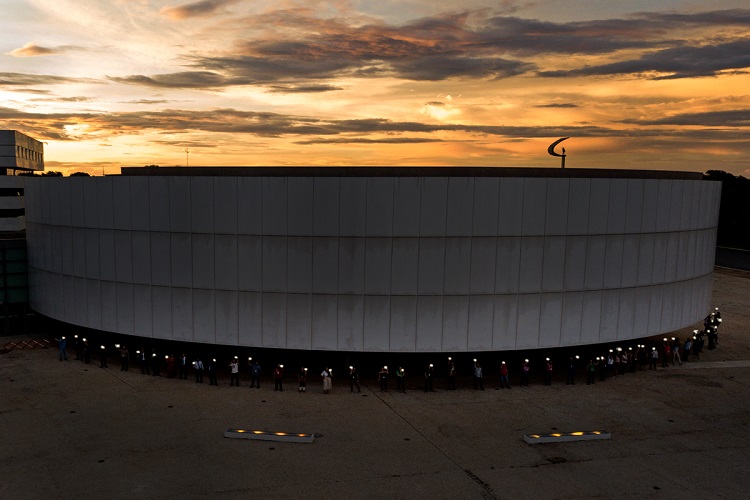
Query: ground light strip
x=561 y=437
x=288 y=437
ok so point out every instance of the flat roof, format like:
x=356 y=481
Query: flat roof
x=410 y=172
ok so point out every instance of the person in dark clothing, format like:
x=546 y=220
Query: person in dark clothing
x=124 y=359
x=548 y=372
x=401 y=379
x=183 y=366
x=451 y=375
x=278 y=378
x=198 y=367
x=571 y=380
x=155 y=364
x=383 y=379
x=353 y=379
x=591 y=372
x=212 y=372
x=428 y=375
x=255 y=374
x=525 y=369
x=102 y=357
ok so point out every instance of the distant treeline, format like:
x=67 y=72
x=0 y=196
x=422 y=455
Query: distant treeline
x=734 y=216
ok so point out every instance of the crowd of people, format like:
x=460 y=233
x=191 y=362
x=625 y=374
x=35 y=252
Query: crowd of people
x=617 y=362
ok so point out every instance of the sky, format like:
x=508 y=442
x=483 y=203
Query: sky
x=654 y=85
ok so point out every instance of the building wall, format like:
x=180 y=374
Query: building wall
x=403 y=264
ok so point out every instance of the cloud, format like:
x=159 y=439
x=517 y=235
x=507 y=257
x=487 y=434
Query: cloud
x=294 y=89
x=63 y=99
x=725 y=119
x=673 y=63
x=201 y=8
x=557 y=105
x=360 y=140
x=184 y=79
x=31 y=49
x=31 y=79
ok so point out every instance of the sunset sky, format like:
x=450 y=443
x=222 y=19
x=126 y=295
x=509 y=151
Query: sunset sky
x=638 y=84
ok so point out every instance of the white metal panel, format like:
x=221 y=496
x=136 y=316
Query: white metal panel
x=553 y=268
x=163 y=310
x=646 y=259
x=378 y=266
x=455 y=323
x=556 y=218
x=663 y=203
x=158 y=204
x=325 y=322
x=203 y=261
x=179 y=204
x=527 y=333
x=106 y=254
x=673 y=245
x=404 y=266
x=532 y=255
x=377 y=312
x=504 y=322
x=181 y=260
x=667 y=305
x=351 y=262
x=380 y=206
x=140 y=211
x=626 y=314
x=575 y=262
x=481 y=311
x=193 y=315
x=508 y=265
x=274 y=211
x=105 y=203
x=655 y=309
x=79 y=251
x=641 y=311
x=406 y=203
x=123 y=256
x=226 y=205
x=69 y=299
x=634 y=206
x=591 y=317
x=613 y=261
x=225 y=262
x=300 y=206
x=403 y=325
x=250 y=318
x=351 y=322
x=483 y=255
x=274 y=263
x=610 y=314
x=458 y=216
x=694 y=202
x=249 y=205
x=457 y=265
x=299 y=265
x=161 y=259
x=121 y=199
x=429 y=323
x=675 y=205
x=250 y=263
x=433 y=206
x=141 y=246
x=326 y=206
x=550 y=320
x=274 y=320
x=594 y=273
x=202 y=204
x=510 y=209
x=630 y=247
x=298 y=321
x=682 y=256
x=90 y=203
x=227 y=319
x=353 y=206
x=325 y=256
x=571 y=319
x=691 y=258
x=125 y=317
x=92 y=253
x=486 y=205
x=687 y=200
x=431 y=266
x=598 y=210
x=616 y=213
x=534 y=210
x=650 y=205
x=142 y=310
x=93 y=304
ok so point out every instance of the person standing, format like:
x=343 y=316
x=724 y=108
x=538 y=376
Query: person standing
x=79 y=347
x=103 y=357
x=525 y=369
x=326 y=376
x=451 y=376
x=591 y=372
x=212 y=372
x=401 y=379
x=676 y=359
x=654 y=359
x=183 y=366
x=571 y=380
x=302 y=379
x=478 y=376
x=155 y=364
x=278 y=378
x=198 y=367
x=428 y=375
x=687 y=347
x=124 y=358
x=62 y=345
x=234 y=368
x=548 y=372
x=383 y=379
x=353 y=379
x=504 y=380
x=255 y=375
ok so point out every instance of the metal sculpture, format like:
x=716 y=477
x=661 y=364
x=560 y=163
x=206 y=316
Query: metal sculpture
x=551 y=150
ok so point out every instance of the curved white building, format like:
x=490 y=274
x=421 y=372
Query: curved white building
x=374 y=259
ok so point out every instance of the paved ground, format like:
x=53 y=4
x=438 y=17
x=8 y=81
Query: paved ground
x=71 y=430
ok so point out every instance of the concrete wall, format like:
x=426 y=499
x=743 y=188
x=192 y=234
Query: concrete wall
x=404 y=264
